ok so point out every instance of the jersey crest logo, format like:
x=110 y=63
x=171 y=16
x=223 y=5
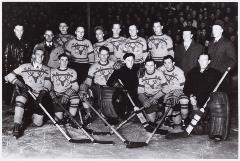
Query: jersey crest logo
x=62 y=78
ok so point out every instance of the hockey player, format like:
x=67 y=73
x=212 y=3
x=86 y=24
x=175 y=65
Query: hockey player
x=151 y=89
x=80 y=52
x=160 y=44
x=176 y=79
x=65 y=88
x=36 y=77
x=118 y=42
x=98 y=75
x=136 y=45
x=101 y=42
x=128 y=75
x=63 y=36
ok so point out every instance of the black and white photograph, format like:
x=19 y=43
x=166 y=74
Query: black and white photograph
x=119 y=80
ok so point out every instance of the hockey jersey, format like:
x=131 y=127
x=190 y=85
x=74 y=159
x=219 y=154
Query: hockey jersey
x=138 y=47
x=36 y=77
x=99 y=73
x=79 y=50
x=151 y=84
x=118 y=45
x=175 y=78
x=160 y=46
x=64 y=79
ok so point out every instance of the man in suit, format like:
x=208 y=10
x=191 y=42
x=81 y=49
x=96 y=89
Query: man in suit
x=187 y=53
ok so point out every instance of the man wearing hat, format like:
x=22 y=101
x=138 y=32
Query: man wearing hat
x=220 y=49
x=128 y=76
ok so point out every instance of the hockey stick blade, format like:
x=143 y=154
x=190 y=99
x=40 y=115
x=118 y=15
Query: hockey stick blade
x=90 y=131
x=103 y=142
x=80 y=141
x=132 y=145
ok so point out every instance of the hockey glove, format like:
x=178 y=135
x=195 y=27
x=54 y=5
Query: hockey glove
x=40 y=97
x=117 y=65
x=21 y=85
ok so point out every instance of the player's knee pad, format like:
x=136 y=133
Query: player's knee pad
x=74 y=101
x=183 y=100
x=20 y=101
x=37 y=119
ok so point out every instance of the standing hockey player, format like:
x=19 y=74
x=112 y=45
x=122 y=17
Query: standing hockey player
x=160 y=44
x=136 y=45
x=101 y=42
x=63 y=36
x=80 y=52
x=65 y=88
x=117 y=41
x=36 y=78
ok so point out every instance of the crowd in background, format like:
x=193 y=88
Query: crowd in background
x=37 y=17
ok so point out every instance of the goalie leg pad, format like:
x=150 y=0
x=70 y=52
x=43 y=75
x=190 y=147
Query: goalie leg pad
x=219 y=116
x=106 y=102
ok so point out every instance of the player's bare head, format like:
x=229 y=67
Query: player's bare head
x=63 y=60
x=48 y=35
x=157 y=27
x=133 y=30
x=18 y=30
x=168 y=62
x=149 y=65
x=103 y=53
x=116 y=29
x=99 y=33
x=63 y=27
x=80 y=32
x=38 y=55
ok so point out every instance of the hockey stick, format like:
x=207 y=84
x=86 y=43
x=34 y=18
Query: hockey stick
x=158 y=125
x=134 y=114
x=56 y=124
x=83 y=128
x=129 y=144
x=197 y=117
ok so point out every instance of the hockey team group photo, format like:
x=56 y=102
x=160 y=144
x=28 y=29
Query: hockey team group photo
x=120 y=80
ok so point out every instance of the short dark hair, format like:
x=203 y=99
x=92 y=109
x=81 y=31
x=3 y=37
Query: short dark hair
x=103 y=48
x=188 y=28
x=168 y=57
x=63 y=55
x=128 y=55
x=98 y=28
x=209 y=57
x=149 y=59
